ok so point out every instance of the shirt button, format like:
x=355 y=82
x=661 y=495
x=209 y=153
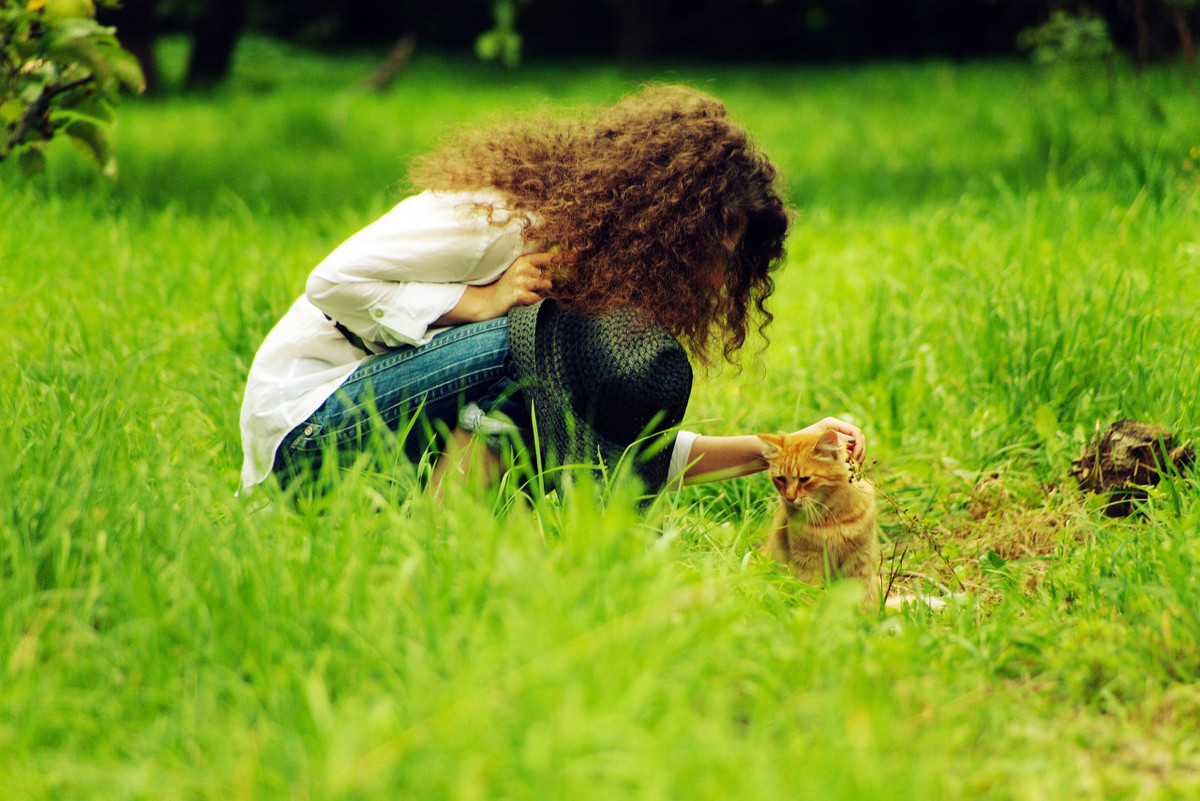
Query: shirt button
x=378 y=314
x=308 y=431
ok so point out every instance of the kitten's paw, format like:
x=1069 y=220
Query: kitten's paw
x=935 y=603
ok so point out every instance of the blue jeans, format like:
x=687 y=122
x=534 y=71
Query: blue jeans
x=419 y=389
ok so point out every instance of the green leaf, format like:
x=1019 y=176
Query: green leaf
x=82 y=50
x=505 y=14
x=127 y=69
x=59 y=10
x=78 y=28
x=91 y=139
x=487 y=46
x=91 y=106
x=32 y=93
x=992 y=562
x=32 y=161
x=501 y=45
x=86 y=43
x=11 y=111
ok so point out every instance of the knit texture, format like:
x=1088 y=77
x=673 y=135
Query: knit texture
x=598 y=384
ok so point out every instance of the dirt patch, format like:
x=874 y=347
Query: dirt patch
x=1000 y=529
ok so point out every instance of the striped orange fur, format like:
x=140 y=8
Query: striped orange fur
x=825 y=526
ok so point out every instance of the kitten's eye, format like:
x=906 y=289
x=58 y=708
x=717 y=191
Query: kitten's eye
x=779 y=481
x=802 y=480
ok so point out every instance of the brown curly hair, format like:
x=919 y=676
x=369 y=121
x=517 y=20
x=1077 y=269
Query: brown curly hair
x=649 y=196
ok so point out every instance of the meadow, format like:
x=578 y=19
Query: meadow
x=989 y=263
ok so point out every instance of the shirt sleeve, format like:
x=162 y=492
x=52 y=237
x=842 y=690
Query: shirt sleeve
x=392 y=313
x=390 y=281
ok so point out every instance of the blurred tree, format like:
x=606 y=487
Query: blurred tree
x=136 y=22
x=1182 y=12
x=393 y=65
x=215 y=31
x=61 y=72
x=1151 y=30
x=637 y=31
x=1068 y=39
x=640 y=31
x=502 y=42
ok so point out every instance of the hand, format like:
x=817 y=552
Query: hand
x=718 y=458
x=525 y=282
x=850 y=435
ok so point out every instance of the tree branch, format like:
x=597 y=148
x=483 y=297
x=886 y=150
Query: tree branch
x=37 y=110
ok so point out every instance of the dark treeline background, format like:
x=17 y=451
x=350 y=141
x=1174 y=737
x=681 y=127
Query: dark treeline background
x=641 y=31
x=645 y=30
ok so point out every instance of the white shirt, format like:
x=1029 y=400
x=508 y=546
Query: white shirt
x=388 y=283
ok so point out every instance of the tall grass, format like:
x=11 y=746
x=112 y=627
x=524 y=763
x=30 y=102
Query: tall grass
x=986 y=265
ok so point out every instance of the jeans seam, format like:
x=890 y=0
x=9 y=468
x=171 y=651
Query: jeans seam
x=431 y=395
x=358 y=406
x=440 y=341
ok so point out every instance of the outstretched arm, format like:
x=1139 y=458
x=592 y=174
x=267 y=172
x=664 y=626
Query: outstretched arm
x=721 y=458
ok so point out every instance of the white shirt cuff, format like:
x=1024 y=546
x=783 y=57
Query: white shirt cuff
x=681 y=454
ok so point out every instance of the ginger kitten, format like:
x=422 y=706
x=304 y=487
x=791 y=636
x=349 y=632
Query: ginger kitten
x=825 y=526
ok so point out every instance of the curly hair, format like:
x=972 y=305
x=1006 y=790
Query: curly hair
x=663 y=201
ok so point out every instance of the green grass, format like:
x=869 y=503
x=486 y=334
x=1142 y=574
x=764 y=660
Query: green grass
x=986 y=265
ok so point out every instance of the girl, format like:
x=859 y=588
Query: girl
x=659 y=204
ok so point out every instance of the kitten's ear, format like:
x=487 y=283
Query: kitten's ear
x=772 y=443
x=828 y=446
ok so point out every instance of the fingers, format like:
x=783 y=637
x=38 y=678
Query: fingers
x=543 y=264
x=849 y=434
x=525 y=282
x=524 y=298
x=530 y=275
x=529 y=283
x=543 y=260
x=857 y=447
